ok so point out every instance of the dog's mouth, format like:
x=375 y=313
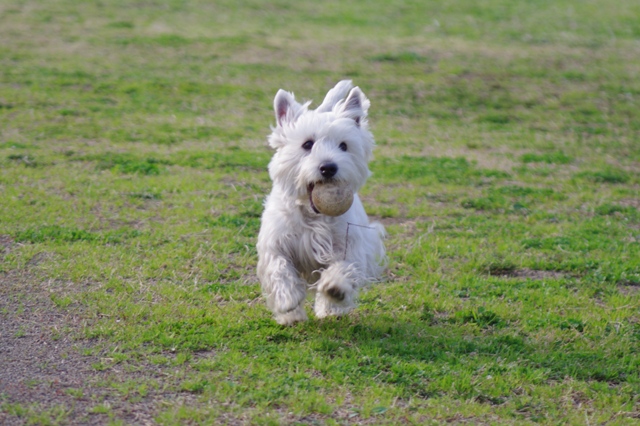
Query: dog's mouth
x=310 y=191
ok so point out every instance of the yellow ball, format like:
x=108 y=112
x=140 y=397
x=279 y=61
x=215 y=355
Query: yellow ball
x=332 y=199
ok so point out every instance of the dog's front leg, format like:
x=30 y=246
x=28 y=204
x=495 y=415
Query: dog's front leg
x=337 y=289
x=283 y=288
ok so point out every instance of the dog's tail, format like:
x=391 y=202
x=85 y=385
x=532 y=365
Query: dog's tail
x=335 y=95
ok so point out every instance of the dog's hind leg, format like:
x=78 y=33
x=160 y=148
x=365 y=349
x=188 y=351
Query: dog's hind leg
x=337 y=290
x=283 y=288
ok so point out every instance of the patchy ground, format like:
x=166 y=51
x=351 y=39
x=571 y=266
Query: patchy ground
x=41 y=366
x=46 y=375
x=133 y=169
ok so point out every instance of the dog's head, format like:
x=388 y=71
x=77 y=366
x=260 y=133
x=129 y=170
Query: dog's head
x=331 y=142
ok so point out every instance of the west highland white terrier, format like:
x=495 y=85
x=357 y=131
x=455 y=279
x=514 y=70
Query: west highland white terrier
x=301 y=250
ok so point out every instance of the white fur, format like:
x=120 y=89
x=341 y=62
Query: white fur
x=303 y=251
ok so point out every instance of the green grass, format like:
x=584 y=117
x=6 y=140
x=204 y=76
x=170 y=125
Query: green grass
x=133 y=166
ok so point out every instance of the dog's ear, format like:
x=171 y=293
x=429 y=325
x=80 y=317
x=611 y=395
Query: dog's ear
x=355 y=106
x=335 y=95
x=286 y=107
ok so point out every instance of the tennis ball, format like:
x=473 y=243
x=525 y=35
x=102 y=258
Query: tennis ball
x=332 y=198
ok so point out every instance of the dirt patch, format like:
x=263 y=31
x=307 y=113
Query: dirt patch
x=630 y=202
x=44 y=371
x=532 y=274
x=38 y=258
x=629 y=288
x=39 y=360
x=6 y=243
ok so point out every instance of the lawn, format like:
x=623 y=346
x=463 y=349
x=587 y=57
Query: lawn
x=133 y=167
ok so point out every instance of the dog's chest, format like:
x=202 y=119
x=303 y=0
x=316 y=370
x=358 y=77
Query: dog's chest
x=318 y=244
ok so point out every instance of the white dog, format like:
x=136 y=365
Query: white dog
x=300 y=249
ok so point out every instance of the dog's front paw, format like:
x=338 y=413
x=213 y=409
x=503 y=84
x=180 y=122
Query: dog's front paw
x=335 y=293
x=337 y=283
x=328 y=306
x=289 y=318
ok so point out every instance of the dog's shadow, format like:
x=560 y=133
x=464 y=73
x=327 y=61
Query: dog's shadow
x=414 y=341
x=396 y=348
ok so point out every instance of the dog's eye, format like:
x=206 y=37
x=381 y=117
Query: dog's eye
x=307 y=145
x=343 y=146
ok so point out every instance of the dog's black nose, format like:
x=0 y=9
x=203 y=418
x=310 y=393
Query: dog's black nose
x=328 y=170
